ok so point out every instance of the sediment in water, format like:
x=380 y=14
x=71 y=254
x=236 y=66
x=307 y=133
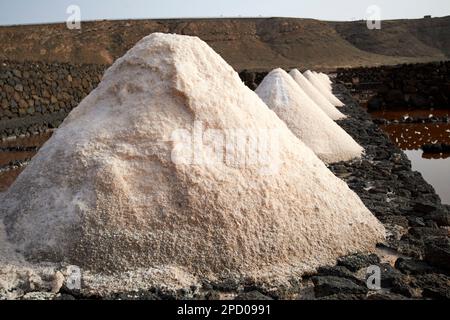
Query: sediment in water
x=316 y=96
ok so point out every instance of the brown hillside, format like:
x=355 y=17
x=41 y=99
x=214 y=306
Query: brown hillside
x=245 y=43
x=407 y=38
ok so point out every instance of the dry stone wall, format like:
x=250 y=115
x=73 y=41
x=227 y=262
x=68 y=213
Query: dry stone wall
x=418 y=86
x=36 y=96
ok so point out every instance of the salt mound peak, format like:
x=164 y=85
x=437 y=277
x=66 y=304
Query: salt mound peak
x=316 y=96
x=327 y=85
x=109 y=193
x=322 y=88
x=308 y=122
x=325 y=78
x=326 y=82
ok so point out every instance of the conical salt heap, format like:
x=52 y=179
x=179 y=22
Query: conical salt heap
x=308 y=122
x=112 y=191
x=316 y=96
x=322 y=88
x=326 y=79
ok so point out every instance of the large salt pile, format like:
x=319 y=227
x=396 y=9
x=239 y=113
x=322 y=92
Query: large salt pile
x=123 y=186
x=325 y=78
x=318 y=83
x=7 y=253
x=308 y=122
x=326 y=81
x=316 y=96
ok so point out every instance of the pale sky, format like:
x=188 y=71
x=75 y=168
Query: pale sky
x=43 y=11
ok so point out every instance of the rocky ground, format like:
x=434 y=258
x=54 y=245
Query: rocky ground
x=414 y=86
x=414 y=261
x=417 y=222
x=35 y=96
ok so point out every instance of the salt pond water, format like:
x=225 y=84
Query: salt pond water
x=8 y=155
x=435 y=171
x=435 y=168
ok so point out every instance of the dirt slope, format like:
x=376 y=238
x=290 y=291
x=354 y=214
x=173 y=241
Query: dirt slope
x=245 y=43
x=407 y=38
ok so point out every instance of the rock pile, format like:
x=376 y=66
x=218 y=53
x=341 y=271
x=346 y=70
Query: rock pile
x=419 y=86
x=307 y=121
x=115 y=190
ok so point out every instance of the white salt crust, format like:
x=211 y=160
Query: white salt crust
x=319 y=84
x=308 y=122
x=316 y=96
x=105 y=194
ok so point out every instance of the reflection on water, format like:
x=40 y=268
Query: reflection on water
x=402 y=114
x=435 y=167
x=435 y=171
x=444 y=155
x=7 y=157
x=32 y=141
x=8 y=176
